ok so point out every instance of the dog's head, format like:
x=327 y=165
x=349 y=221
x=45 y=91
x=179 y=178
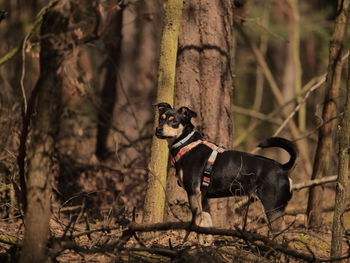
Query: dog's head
x=173 y=123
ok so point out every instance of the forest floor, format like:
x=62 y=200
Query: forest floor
x=88 y=239
x=97 y=209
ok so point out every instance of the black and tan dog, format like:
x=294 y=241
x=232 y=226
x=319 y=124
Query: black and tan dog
x=226 y=172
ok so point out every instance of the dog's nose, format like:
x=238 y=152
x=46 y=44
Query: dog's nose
x=159 y=131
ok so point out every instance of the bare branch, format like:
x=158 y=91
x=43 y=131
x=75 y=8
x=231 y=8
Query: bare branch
x=323 y=180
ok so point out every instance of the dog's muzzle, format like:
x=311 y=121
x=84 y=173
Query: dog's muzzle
x=159 y=133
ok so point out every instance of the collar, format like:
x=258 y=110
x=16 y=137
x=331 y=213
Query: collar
x=183 y=141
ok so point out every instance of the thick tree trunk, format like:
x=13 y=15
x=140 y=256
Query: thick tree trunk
x=58 y=53
x=343 y=173
x=40 y=171
x=158 y=165
x=325 y=136
x=108 y=96
x=204 y=76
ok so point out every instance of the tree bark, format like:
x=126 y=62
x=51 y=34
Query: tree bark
x=158 y=164
x=204 y=77
x=329 y=114
x=108 y=96
x=343 y=172
x=58 y=52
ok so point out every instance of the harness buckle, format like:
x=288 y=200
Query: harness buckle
x=206 y=181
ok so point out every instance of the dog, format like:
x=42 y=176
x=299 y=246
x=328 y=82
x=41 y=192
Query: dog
x=206 y=170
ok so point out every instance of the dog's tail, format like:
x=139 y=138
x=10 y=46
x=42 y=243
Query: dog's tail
x=284 y=144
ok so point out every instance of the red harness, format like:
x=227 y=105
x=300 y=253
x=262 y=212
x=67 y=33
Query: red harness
x=211 y=160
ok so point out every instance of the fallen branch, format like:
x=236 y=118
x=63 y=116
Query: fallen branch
x=248 y=236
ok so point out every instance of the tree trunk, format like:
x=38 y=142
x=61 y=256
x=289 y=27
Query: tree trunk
x=108 y=96
x=158 y=165
x=41 y=169
x=343 y=172
x=293 y=67
x=329 y=114
x=204 y=76
x=58 y=52
x=295 y=50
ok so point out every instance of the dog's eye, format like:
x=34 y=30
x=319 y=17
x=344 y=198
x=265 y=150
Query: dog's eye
x=174 y=123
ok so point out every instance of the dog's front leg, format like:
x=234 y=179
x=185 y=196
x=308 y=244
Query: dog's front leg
x=200 y=218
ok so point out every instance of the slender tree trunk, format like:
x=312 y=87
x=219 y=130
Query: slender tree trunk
x=108 y=99
x=295 y=50
x=58 y=53
x=292 y=74
x=325 y=136
x=158 y=165
x=343 y=172
x=204 y=75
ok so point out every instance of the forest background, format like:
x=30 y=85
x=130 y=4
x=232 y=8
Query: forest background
x=93 y=124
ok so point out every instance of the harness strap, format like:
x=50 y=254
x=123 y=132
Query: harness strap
x=184 y=150
x=209 y=165
x=208 y=168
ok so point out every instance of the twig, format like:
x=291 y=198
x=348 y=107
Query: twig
x=103 y=229
x=23 y=71
x=301 y=102
x=310 y=183
x=255 y=114
x=9 y=55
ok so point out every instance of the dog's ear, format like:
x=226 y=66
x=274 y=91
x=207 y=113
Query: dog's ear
x=188 y=113
x=162 y=107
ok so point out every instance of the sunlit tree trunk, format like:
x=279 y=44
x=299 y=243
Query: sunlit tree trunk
x=204 y=76
x=329 y=115
x=155 y=193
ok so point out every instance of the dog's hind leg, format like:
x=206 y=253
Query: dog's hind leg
x=200 y=218
x=274 y=198
x=276 y=222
